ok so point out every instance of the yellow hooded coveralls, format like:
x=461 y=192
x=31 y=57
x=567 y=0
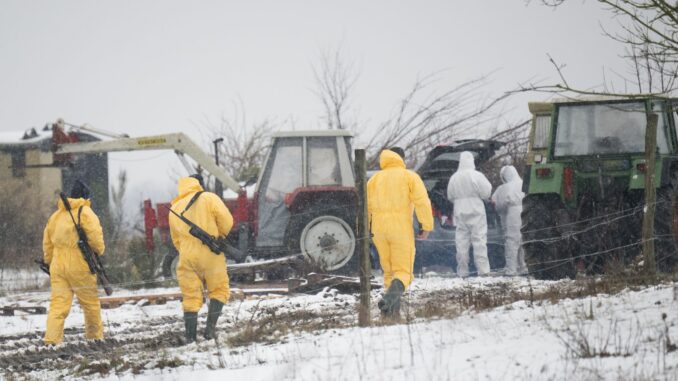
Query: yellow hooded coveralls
x=392 y=194
x=197 y=263
x=69 y=272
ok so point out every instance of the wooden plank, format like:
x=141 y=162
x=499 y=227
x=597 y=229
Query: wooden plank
x=156 y=299
x=33 y=310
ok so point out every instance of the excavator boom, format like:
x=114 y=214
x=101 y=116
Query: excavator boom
x=177 y=142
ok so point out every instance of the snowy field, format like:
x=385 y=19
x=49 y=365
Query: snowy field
x=453 y=329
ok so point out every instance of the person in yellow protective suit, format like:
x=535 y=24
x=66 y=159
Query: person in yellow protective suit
x=197 y=263
x=393 y=194
x=69 y=272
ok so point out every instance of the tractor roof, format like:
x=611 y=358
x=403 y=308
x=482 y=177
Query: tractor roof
x=543 y=107
x=312 y=133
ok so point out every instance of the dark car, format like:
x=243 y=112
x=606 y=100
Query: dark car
x=439 y=249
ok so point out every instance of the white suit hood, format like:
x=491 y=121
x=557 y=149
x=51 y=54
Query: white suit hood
x=466 y=161
x=510 y=194
x=509 y=173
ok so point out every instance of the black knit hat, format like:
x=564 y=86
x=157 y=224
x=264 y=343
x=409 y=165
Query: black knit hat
x=198 y=177
x=79 y=190
x=399 y=151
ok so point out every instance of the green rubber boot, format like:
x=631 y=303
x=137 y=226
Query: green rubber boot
x=390 y=303
x=191 y=324
x=213 y=313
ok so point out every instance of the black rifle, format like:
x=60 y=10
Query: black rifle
x=207 y=239
x=90 y=256
x=43 y=266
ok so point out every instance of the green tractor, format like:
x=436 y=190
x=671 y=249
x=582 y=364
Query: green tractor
x=584 y=185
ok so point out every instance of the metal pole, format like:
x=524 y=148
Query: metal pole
x=650 y=194
x=218 y=187
x=363 y=238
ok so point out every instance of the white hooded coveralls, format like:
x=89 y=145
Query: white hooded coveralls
x=466 y=190
x=508 y=200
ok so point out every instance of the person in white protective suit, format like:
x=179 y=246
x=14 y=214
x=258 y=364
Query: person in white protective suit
x=508 y=200
x=466 y=190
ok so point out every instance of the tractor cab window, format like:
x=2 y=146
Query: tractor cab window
x=541 y=131
x=285 y=170
x=323 y=163
x=599 y=129
x=283 y=174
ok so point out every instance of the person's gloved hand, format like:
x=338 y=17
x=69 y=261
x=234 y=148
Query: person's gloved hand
x=423 y=234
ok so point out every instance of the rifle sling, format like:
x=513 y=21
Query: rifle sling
x=190 y=203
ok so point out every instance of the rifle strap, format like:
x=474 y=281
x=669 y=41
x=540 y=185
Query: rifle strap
x=190 y=203
x=79 y=213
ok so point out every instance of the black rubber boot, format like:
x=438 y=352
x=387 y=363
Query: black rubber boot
x=213 y=313
x=191 y=324
x=390 y=303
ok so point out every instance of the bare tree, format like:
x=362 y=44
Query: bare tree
x=514 y=152
x=335 y=79
x=649 y=30
x=245 y=143
x=425 y=118
x=564 y=89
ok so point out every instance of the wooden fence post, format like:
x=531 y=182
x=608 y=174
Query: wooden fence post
x=650 y=194
x=363 y=238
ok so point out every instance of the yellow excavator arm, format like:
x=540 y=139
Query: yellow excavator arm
x=180 y=143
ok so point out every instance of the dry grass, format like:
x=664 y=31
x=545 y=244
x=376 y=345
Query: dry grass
x=117 y=363
x=268 y=326
x=450 y=303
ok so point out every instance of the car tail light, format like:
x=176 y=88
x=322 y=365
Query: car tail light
x=436 y=212
x=568 y=177
x=543 y=172
x=642 y=167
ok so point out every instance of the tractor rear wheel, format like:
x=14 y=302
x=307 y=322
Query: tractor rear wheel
x=546 y=253
x=325 y=238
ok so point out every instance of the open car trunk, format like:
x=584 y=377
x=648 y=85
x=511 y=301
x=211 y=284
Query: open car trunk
x=442 y=162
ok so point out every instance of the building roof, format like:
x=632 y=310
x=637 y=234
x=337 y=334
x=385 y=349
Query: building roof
x=29 y=137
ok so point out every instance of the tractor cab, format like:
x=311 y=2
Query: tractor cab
x=585 y=184
x=305 y=198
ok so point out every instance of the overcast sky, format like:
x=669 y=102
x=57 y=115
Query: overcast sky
x=150 y=67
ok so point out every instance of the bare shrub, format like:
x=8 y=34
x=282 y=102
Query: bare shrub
x=583 y=342
x=245 y=143
x=21 y=228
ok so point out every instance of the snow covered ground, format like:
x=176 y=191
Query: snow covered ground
x=532 y=335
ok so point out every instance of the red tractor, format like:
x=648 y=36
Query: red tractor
x=303 y=205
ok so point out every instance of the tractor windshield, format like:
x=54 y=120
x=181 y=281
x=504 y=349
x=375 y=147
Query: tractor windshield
x=612 y=128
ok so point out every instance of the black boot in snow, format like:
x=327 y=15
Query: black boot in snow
x=390 y=303
x=191 y=324
x=213 y=313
